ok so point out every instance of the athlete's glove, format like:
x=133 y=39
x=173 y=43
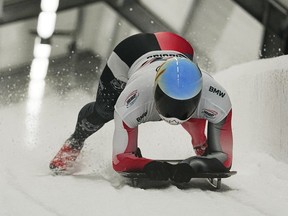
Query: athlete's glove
x=201 y=150
x=156 y=170
x=182 y=173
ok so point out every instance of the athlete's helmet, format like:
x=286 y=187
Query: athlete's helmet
x=178 y=86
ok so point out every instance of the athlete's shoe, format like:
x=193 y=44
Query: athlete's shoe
x=64 y=161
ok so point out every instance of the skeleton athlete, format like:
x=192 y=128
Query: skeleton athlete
x=152 y=77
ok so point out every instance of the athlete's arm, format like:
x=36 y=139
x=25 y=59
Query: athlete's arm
x=196 y=128
x=220 y=140
x=217 y=154
x=125 y=147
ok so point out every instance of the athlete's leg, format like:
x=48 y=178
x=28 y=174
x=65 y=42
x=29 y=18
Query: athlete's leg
x=94 y=115
x=90 y=119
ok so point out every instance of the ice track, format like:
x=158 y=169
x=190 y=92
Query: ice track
x=29 y=142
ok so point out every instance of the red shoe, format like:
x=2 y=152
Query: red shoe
x=64 y=161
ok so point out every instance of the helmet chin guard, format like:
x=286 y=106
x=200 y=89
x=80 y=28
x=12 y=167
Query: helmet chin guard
x=172 y=121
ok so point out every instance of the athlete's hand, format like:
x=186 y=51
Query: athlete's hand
x=156 y=170
x=182 y=173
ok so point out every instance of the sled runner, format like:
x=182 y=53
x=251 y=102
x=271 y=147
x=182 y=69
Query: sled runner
x=214 y=179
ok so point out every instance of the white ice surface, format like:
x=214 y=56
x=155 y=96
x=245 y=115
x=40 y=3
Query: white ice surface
x=28 y=143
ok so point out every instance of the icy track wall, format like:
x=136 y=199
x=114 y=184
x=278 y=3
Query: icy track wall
x=259 y=95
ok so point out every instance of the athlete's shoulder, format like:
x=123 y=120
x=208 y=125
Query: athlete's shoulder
x=214 y=103
x=212 y=88
x=135 y=103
